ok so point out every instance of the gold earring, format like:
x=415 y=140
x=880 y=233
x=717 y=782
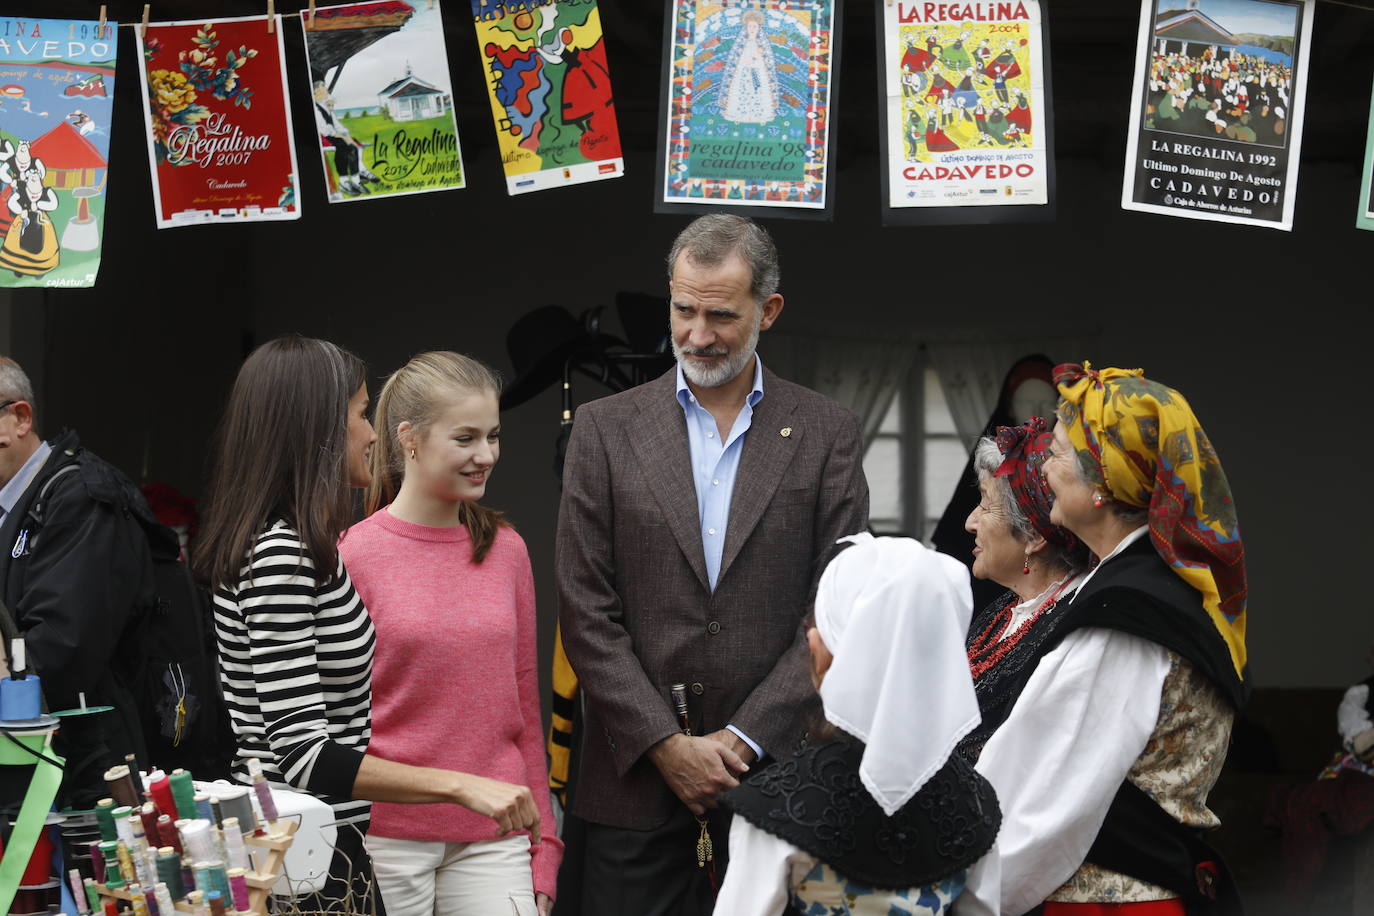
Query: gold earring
x=412 y=454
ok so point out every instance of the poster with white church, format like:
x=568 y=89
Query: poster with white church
x=382 y=99
x=1217 y=111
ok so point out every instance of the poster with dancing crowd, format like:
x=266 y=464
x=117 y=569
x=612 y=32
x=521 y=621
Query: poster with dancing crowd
x=220 y=146
x=966 y=104
x=1217 y=112
x=748 y=103
x=56 y=95
x=550 y=91
x=1365 y=216
x=383 y=100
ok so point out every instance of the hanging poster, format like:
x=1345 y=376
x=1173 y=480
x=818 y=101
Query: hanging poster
x=550 y=92
x=383 y=100
x=1217 y=111
x=966 y=105
x=747 y=106
x=219 y=130
x=56 y=90
x=1365 y=217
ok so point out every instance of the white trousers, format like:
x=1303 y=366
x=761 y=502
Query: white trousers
x=419 y=878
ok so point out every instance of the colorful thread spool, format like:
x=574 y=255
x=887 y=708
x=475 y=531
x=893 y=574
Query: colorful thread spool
x=238 y=889
x=197 y=901
x=104 y=816
x=126 y=863
x=97 y=863
x=183 y=792
x=216 y=901
x=109 y=853
x=140 y=902
x=164 y=899
x=205 y=808
x=160 y=787
x=123 y=831
x=263 y=791
x=169 y=872
x=78 y=891
x=92 y=896
x=167 y=833
x=217 y=876
x=237 y=805
x=110 y=909
x=198 y=841
x=148 y=814
x=122 y=788
x=235 y=852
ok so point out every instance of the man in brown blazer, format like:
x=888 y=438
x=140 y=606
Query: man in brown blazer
x=697 y=511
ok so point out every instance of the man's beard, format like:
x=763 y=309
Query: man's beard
x=717 y=374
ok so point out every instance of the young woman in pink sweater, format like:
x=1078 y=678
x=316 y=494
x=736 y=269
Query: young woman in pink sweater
x=455 y=682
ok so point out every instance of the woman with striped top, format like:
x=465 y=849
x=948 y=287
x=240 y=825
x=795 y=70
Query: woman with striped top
x=295 y=641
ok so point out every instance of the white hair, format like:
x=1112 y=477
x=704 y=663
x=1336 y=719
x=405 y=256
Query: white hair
x=14 y=382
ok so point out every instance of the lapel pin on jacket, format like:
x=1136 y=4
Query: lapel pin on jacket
x=785 y=431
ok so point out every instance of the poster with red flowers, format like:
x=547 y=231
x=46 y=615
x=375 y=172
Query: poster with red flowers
x=219 y=130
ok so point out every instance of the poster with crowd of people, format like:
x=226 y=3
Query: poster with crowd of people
x=966 y=105
x=220 y=147
x=1365 y=216
x=56 y=94
x=747 y=104
x=382 y=99
x=550 y=91
x=1217 y=111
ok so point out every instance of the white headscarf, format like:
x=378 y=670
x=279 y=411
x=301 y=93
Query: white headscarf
x=894 y=615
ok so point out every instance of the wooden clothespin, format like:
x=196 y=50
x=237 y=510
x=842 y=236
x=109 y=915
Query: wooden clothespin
x=271 y=17
x=143 y=27
x=310 y=16
x=100 y=27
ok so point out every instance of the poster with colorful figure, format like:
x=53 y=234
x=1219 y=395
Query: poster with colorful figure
x=1217 y=111
x=1365 y=216
x=56 y=93
x=383 y=99
x=220 y=146
x=550 y=90
x=748 y=103
x=966 y=105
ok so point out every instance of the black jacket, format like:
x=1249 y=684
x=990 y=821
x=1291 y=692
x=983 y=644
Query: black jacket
x=76 y=585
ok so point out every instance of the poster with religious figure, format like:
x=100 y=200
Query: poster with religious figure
x=382 y=98
x=549 y=85
x=1365 y=216
x=747 y=104
x=966 y=105
x=220 y=146
x=56 y=94
x=1217 y=110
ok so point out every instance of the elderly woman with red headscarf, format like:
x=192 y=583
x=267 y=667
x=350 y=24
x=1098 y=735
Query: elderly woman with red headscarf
x=1119 y=732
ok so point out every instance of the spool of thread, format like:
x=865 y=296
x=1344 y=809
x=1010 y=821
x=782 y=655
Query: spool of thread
x=104 y=816
x=78 y=891
x=20 y=699
x=109 y=854
x=148 y=814
x=150 y=898
x=205 y=809
x=183 y=792
x=164 y=899
x=216 y=901
x=160 y=787
x=109 y=908
x=237 y=805
x=139 y=902
x=92 y=896
x=123 y=831
x=188 y=876
x=122 y=788
x=197 y=901
x=263 y=791
x=238 y=889
x=214 y=877
x=147 y=873
x=167 y=833
x=136 y=830
x=97 y=863
x=198 y=842
x=235 y=852
x=169 y=871
x=126 y=863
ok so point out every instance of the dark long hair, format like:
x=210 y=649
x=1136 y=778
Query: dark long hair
x=281 y=452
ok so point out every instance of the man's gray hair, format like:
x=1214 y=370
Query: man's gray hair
x=709 y=240
x=14 y=382
x=987 y=458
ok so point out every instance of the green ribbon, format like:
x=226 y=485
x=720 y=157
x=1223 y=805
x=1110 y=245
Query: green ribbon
x=33 y=813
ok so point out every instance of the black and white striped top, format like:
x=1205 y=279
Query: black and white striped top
x=295 y=659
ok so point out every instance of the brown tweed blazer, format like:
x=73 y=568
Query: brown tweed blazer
x=636 y=609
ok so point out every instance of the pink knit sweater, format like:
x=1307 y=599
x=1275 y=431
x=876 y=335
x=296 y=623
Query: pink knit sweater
x=454 y=681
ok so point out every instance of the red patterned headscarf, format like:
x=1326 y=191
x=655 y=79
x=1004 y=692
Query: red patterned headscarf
x=1024 y=449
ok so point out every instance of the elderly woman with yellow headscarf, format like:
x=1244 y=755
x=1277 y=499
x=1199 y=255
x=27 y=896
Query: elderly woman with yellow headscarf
x=1105 y=762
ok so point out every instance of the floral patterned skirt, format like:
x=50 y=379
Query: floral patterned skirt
x=822 y=892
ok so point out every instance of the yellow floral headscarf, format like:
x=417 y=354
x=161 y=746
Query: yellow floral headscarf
x=1139 y=441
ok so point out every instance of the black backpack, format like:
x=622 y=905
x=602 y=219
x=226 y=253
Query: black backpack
x=176 y=689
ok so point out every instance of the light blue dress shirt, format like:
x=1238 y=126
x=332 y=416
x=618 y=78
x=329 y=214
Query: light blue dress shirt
x=714 y=466
x=10 y=493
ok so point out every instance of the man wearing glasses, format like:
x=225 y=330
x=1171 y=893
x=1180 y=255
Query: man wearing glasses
x=75 y=569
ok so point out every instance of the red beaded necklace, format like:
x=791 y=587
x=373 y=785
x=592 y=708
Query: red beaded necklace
x=989 y=648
